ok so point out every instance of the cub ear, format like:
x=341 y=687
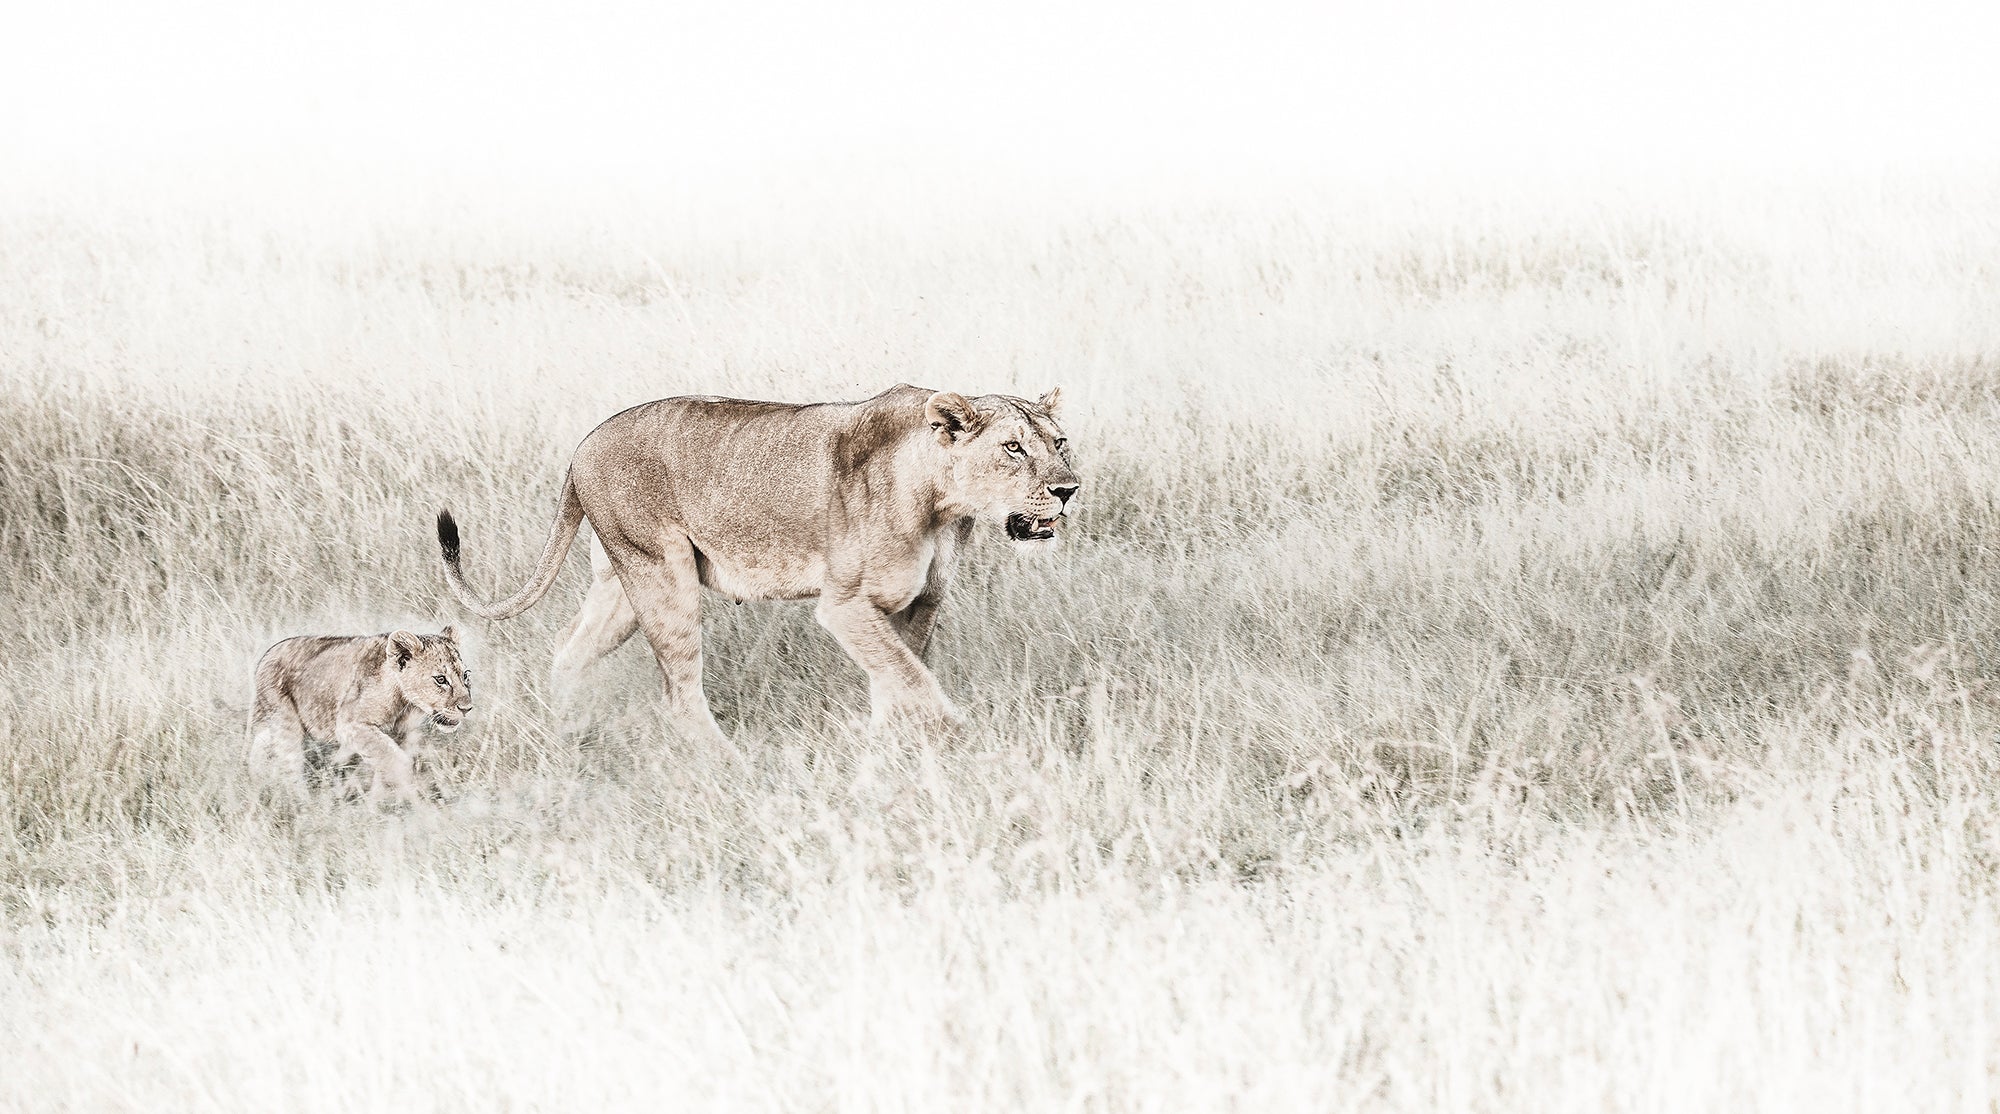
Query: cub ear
x=1049 y=402
x=406 y=645
x=950 y=416
x=449 y=634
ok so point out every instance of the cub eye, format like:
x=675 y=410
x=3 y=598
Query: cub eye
x=440 y=679
x=1014 y=447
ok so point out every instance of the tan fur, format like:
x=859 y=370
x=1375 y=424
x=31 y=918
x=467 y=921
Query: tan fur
x=863 y=506
x=365 y=694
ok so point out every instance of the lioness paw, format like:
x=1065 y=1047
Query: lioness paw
x=939 y=718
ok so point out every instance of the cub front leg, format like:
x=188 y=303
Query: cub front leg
x=899 y=686
x=394 y=771
x=409 y=734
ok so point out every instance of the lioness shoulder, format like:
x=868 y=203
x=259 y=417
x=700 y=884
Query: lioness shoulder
x=357 y=696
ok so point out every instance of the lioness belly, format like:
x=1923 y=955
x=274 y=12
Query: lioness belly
x=761 y=580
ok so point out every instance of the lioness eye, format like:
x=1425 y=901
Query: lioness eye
x=440 y=680
x=1061 y=441
x=1012 y=446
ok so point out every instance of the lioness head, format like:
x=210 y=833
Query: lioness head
x=1009 y=460
x=431 y=676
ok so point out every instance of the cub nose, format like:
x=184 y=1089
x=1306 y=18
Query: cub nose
x=465 y=707
x=1063 y=491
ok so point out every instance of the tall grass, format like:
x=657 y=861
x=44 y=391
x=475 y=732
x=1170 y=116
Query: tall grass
x=1515 y=653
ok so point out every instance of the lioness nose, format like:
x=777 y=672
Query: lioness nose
x=465 y=707
x=1063 y=491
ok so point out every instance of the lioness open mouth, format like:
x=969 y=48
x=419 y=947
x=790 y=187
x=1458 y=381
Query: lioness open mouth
x=1024 y=528
x=448 y=722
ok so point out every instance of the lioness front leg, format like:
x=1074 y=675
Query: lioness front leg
x=899 y=686
x=915 y=623
x=393 y=769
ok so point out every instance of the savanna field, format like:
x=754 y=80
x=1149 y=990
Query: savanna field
x=1514 y=652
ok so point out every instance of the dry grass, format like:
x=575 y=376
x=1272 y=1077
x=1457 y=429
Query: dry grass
x=1522 y=653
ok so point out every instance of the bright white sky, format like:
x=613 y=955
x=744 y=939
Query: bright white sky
x=1029 y=87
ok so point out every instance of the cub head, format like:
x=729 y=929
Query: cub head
x=431 y=675
x=1010 y=462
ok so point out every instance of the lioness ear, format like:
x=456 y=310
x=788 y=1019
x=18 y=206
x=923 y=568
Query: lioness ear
x=1050 y=401
x=950 y=415
x=406 y=645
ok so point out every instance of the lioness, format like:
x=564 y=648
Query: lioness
x=366 y=694
x=862 y=505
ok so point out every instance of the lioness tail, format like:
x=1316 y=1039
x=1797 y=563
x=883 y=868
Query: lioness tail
x=561 y=534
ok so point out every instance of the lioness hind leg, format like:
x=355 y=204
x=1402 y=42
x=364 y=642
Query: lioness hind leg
x=665 y=595
x=601 y=626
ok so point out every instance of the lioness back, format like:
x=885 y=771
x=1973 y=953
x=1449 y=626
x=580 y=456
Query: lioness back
x=743 y=476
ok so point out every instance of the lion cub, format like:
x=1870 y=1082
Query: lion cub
x=364 y=694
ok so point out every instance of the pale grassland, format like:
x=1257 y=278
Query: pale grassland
x=1518 y=652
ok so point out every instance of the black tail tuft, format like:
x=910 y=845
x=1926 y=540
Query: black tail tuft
x=448 y=537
